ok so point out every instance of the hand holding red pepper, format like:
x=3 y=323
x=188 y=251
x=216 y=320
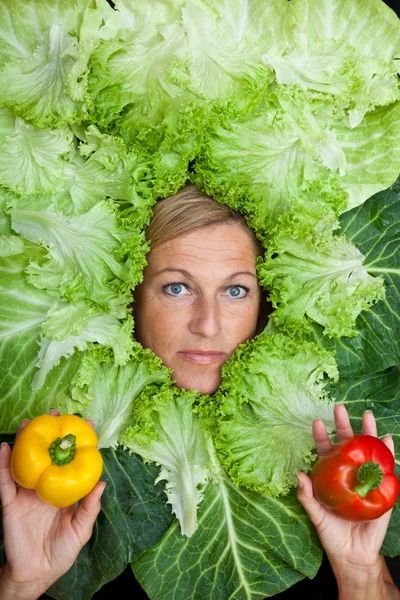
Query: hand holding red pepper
x=356 y=479
x=352 y=547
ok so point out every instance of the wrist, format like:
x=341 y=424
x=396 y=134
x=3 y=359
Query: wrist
x=16 y=590
x=360 y=582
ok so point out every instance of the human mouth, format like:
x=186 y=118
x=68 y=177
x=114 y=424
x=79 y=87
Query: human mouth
x=201 y=357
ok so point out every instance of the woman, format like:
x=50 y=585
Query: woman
x=198 y=301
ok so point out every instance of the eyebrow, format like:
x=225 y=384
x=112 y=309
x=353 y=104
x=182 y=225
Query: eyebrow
x=190 y=276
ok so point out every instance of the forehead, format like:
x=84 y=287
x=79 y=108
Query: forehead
x=220 y=246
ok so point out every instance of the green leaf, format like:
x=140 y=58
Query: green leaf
x=316 y=276
x=245 y=548
x=223 y=63
x=38 y=50
x=82 y=252
x=10 y=245
x=272 y=389
x=104 y=329
x=345 y=49
x=31 y=159
x=102 y=167
x=38 y=331
x=23 y=311
x=133 y=518
x=134 y=69
x=372 y=153
x=280 y=135
x=166 y=431
x=360 y=22
x=106 y=392
x=325 y=162
x=374 y=228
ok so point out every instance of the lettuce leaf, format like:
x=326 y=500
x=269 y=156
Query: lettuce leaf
x=38 y=50
x=272 y=390
x=104 y=329
x=83 y=260
x=31 y=159
x=106 y=391
x=23 y=310
x=166 y=431
x=324 y=162
x=316 y=275
x=333 y=50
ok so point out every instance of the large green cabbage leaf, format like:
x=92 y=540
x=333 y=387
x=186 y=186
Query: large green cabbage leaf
x=374 y=228
x=246 y=546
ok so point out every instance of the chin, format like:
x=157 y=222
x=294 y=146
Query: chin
x=204 y=384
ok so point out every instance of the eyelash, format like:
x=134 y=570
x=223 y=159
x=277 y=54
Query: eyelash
x=174 y=283
x=187 y=287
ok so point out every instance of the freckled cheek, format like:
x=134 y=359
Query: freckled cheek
x=165 y=328
x=241 y=324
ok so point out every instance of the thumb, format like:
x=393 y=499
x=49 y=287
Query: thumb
x=87 y=512
x=8 y=488
x=305 y=495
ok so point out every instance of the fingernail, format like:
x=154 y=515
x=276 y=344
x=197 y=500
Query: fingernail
x=4 y=444
x=301 y=485
x=104 y=487
x=370 y=411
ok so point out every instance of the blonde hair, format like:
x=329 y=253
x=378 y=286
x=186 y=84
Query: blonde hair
x=187 y=210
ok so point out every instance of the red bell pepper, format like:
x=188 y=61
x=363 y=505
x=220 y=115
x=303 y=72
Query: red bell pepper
x=356 y=479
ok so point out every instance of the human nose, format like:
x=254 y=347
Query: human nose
x=205 y=319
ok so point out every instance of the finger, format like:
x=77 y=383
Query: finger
x=369 y=424
x=8 y=487
x=87 y=512
x=24 y=423
x=321 y=438
x=343 y=428
x=53 y=411
x=388 y=441
x=305 y=495
x=56 y=413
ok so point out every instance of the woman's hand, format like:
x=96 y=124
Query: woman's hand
x=352 y=548
x=41 y=542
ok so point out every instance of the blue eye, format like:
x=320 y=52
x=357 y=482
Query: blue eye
x=175 y=289
x=238 y=291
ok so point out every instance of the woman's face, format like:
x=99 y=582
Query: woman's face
x=198 y=301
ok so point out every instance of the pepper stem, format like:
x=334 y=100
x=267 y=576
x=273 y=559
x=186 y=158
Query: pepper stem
x=370 y=476
x=62 y=450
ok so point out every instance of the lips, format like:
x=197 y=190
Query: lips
x=201 y=357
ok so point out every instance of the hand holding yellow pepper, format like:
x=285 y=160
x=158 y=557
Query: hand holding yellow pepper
x=58 y=457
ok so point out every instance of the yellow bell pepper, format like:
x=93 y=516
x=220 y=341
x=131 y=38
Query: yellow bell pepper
x=57 y=457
